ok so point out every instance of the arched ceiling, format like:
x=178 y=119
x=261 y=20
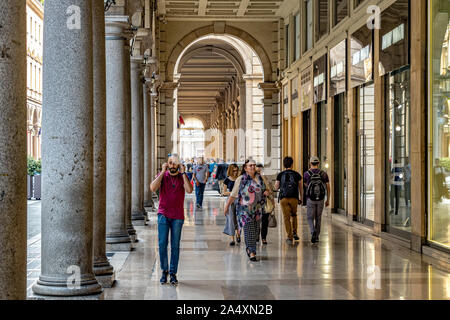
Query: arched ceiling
x=205 y=74
x=214 y=9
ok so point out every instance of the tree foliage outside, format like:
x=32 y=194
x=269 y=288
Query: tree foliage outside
x=445 y=162
x=33 y=166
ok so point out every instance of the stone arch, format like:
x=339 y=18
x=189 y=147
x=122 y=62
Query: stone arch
x=201 y=119
x=207 y=30
x=233 y=60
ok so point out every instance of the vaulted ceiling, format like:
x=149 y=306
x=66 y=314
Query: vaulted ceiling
x=238 y=9
x=204 y=76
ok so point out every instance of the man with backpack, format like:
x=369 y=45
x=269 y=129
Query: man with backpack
x=290 y=186
x=317 y=187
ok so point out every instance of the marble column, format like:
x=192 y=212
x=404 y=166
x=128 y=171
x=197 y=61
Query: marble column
x=271 y=124
x=148 y=202
x=67 y=145
x=242 y=121
x=128 y=145
x=153 y=137
x=117 y=237
x=103 y=271
x=13 y=151
x=137 y=143
x=167 y=109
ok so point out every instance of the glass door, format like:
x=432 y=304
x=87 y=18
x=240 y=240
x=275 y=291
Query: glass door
x=322 y=130
x=306 y=152
x=398 y=173
x=366 y=150
x=340 y=154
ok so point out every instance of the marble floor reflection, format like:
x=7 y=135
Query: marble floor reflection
x=345 y=264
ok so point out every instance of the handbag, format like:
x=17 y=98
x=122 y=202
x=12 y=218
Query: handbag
x=268 y=206
x=272 y=221
x=229 y=223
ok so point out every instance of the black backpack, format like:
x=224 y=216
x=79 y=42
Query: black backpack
x=289 y=188
x=316 y=188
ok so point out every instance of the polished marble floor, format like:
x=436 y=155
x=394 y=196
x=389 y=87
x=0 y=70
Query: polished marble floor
x=345 y=264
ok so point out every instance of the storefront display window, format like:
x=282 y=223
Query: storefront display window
x=439 y=123
x=362 y=51
x=306 y=89
x=294 y=97
x=338 y=68
x=320 y=79
x=394 y=37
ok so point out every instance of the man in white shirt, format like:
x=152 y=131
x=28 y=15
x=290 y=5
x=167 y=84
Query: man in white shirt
x=200 y=176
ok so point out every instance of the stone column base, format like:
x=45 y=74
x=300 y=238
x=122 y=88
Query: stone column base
x=141 y=221
x=120 y=243
x=149 y=203
x=128 y=246
x=106 y=280
x=99 y=296
x=54 y=289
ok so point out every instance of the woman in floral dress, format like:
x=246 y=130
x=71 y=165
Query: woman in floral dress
x=250 y=192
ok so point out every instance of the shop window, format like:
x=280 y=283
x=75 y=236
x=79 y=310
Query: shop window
x=394 y=37
x=288 y=56
x=322 y=19
x=439 y=124
x=361 y=56
x=297 y=36
x=320 y=79
x=308 y=24
x=340 y=11
x=338 y=68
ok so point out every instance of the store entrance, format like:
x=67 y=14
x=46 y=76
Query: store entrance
x=306 y=133
x=398 y=173
x=340 y=154
x=322 y=130
x=365 y=102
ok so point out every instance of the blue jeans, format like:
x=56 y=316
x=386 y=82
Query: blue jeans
x=199 y=190
x=164 y=225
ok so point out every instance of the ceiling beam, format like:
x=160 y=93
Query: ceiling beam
x=161 y=6
x=202 y=7
x=243 y=8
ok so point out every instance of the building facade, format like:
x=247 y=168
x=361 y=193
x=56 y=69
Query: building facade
x=359 y=92
x=35 y=29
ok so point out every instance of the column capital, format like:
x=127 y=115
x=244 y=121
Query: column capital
x=137 y=59
x=167 y=86
x=268 y=86
x=117 y=27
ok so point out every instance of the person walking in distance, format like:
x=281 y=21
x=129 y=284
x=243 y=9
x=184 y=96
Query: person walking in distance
x=265 y=215
x=317 y=188
x=250 y=191
x=172 y=183
x=200 y=176
x=231 y=225
x=289 y=182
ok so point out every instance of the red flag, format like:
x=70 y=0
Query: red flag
x=181 y=120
